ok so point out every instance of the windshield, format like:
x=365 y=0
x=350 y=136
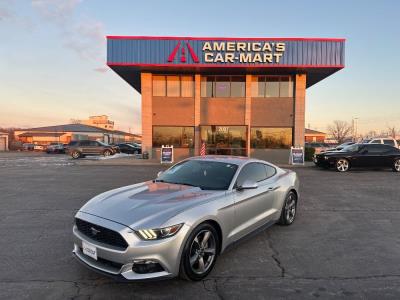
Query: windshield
x=103 y=144
x=351 y=148
x=207 y=175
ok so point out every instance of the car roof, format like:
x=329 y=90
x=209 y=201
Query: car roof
x=238 y=160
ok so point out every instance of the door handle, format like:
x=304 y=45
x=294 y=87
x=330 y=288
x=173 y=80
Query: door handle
x=270 y=189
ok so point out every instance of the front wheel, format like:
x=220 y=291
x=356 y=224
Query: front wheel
x=107 y=153
x=342 y=165
x=75 y=154
x=200 y=253
x=396 y=165
x=289 y=209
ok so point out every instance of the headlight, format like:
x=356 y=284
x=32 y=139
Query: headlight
x=159 y=233
x=326 y=157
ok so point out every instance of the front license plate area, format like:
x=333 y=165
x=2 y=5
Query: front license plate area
x=89 y=250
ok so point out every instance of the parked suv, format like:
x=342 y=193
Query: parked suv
x=385 y=141
x=82 y=148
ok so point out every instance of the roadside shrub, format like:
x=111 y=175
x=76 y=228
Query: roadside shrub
x=309 y=153
x=15 y=145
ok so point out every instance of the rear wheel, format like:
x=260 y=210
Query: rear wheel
x=342 y=165
x=396 y=165
x=200 y=253
x=75 y=154
x=289 y=209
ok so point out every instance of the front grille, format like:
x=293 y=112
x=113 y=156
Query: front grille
x=106 y=262
x=101 y=234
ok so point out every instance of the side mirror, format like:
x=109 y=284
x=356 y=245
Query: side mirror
x=248 y=185
x=159 y=173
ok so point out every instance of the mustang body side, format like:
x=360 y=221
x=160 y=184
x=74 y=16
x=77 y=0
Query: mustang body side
x=163 y=228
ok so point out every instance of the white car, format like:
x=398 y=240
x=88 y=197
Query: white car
x=39 y=147
x=385 y=141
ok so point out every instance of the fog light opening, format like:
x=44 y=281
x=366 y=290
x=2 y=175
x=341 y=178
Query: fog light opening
x=146 y=266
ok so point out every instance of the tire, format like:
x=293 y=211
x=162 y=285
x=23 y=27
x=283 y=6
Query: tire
x=76 y=154
x=107 y=153
x=342 y=165
x=289 y=209
x=396 y=165
x=198 y=259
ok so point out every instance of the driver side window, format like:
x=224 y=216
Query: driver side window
x=255 y=172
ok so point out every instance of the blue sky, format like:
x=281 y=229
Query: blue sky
x=52 y=55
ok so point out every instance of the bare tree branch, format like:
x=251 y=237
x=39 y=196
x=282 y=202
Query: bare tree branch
x=339 y=130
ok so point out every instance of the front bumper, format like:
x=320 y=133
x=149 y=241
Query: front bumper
x=119 y=263
x=320 y=161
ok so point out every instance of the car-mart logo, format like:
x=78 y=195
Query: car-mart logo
x=259 y=52
x=183 y=54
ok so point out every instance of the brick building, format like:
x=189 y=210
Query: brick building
x=239 y=96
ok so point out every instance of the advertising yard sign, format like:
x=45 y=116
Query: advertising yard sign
x=167 y=154
x=296 y=156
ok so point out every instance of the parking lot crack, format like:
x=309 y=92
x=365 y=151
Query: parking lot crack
x=211 y=285
x=275 y=257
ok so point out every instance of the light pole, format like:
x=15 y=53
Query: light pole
x=355 y=125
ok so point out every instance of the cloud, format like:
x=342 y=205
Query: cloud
x=101 y=70
x=82 y=35
x=87 y=39
x=57 y=11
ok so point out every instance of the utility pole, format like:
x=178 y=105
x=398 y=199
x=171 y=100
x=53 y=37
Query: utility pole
x=355 y=129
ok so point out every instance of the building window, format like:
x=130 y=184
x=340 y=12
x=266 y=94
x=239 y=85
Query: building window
x=159 y=86
x=223 y=86
x=271 y=138
x=173 y=86
x=179 y=137
x=187 y=86
x=225 y=140
x=272 y=86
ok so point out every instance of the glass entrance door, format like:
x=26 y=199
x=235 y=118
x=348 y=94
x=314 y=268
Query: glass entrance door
x=224 y=140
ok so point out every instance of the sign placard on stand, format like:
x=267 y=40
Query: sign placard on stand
x=167 y=154
x=296 y=156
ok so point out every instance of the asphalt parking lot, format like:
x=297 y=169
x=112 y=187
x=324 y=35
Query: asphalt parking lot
x=345 y=242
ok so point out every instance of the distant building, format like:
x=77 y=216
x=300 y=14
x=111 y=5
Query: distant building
x=99 y=121
x=72 y=132
x=3 y=141
x=314 y=136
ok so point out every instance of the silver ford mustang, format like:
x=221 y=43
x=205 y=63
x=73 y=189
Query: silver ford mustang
x=180 y=222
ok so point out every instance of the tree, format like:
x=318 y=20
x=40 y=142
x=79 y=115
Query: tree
x=339 y=130
x=392 y=132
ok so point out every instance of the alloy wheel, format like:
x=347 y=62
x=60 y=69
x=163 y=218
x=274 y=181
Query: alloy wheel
x=397 y=165
x=107 y=153
x=290 y=208
x=342 y=165
x=202 y=252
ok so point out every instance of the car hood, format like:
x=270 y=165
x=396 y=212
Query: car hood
x=335 y=153
x=148 y=204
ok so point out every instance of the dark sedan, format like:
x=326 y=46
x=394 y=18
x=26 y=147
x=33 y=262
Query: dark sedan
x=361 y=156
x=130 y=149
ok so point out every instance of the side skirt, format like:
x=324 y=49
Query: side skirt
x=250 y=235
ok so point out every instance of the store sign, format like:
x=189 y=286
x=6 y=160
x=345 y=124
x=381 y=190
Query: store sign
x=296 y=156
x=167 y=154
x=230 y=52
x=243 y=52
